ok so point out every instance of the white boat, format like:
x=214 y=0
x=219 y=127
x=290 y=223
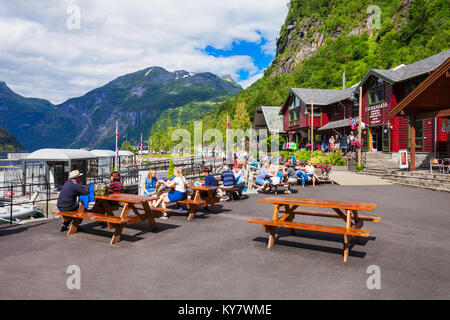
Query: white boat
x=19 y=211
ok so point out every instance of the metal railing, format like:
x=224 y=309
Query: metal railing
x=17 y=195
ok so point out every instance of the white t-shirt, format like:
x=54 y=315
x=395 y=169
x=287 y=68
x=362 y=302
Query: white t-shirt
x=180 y=184
x=309 y=169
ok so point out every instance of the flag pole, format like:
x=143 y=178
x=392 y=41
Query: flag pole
x=359 y=129
x=116 y=165
x=312 y=128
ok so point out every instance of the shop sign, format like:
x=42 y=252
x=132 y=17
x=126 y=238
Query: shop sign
x=375 y=113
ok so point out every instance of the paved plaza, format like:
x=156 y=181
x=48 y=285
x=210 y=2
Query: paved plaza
x=222 y=256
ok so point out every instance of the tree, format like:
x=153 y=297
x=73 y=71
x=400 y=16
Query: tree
x=171 y=168
x=241 y=120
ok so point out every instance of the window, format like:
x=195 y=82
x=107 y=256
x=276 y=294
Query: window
x=376 y=91
x=337 y=110
x=292 y=103
x=297 y=114
x=355 y=109
x=317 y=111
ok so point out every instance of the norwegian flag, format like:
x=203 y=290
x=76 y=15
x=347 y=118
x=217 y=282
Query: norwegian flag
x=352 y=123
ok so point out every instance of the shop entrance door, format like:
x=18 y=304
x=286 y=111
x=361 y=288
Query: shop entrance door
x=377 y=138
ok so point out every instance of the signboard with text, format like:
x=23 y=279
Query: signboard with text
x=376 y=113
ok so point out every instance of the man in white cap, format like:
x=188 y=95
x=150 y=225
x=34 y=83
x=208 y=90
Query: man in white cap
x=67 y=200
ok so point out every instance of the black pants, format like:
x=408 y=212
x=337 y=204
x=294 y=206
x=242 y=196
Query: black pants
x=74 y=208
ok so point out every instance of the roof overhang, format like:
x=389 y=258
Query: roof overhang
x=60 y=155
x=429 y=99
x=337 y=124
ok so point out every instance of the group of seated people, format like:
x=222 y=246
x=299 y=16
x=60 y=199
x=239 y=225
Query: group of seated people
x=290 y=173
x=175 y=189
x=234 y=179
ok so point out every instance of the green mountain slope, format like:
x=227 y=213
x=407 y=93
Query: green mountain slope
x=8 y=143
x=323 y=38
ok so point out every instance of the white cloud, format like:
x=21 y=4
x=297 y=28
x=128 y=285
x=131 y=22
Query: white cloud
x=41 y=57
x=248 y=82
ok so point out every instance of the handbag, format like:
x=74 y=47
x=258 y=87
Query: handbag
x=101 y=189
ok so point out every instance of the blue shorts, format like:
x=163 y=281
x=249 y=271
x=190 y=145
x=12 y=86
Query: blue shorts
x=175 y=196
x=259 y=181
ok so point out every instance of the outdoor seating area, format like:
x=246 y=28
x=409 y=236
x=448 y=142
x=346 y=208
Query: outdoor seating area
x=364 y=226
x=352 y=228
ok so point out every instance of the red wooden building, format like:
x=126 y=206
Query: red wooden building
x=332 y=110
x=382 y=90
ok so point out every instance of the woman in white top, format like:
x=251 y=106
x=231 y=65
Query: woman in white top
x=178 y=193
x=331 y=142
x=309 y=169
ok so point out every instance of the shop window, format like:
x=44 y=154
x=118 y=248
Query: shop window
x=376 y=92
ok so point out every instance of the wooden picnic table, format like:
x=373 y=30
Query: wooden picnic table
x=105 y=206
x=199 y=200
x=347 y=211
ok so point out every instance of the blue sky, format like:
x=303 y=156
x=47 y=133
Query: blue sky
x=60 y=49
x=261 y=58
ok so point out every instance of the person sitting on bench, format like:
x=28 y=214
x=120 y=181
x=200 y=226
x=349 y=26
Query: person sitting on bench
x=227 y=178
x=116 y=186
x=67 y=199
x=240 y=179
x=309 y=169
x=210 y=181
x=178 y=184
x=290 y=175
x=149 y=184
x=262 y=177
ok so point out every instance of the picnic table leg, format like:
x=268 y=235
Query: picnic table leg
x=211 y=199
x=192 y=209
x=117 y=232
x=358 y=224
x=347 y=237
x=151 y=218
x=108 y=211
x=290 y=218
x=73 y=226
x=272 y=230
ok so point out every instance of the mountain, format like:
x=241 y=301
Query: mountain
x=321 y=39
x=8 y=143
x=135 y=100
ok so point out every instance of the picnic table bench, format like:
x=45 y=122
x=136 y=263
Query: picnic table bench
x=103 y=211
x=353 y=221
x=200 y=200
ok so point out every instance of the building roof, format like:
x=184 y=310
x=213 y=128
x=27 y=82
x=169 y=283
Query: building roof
x=103 y=153
x=270 y=117
x=322 y=97
x=125 y=153
x=337 y=124
x=430 y=98
x=413 y=70
x=60 y=155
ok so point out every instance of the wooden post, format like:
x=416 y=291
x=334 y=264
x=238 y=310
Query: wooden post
x=360 y=121
x=412 y=140
x=312 y=128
